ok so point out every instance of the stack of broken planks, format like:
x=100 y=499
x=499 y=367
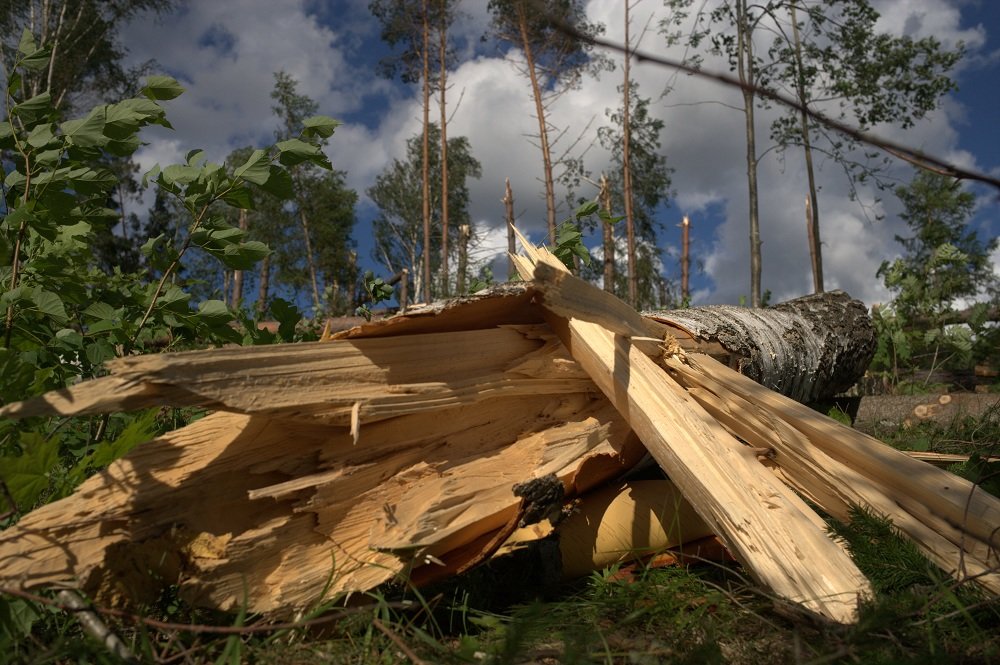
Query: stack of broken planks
x=425 y=445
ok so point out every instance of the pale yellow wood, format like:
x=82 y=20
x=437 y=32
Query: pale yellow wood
x=951 y=498
x=836 y=487
x=339 y=382
x=266 y=513
x=764 y=524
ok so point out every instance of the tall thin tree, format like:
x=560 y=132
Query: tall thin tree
x=553 y=63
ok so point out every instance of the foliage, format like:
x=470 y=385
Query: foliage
x=90 y=62
x=650 y=180
x=377 y=290
x=851 y=70
x=397 y=193
x=63 y=315
x=322 y=205
x=401 y=22
x=558 y=57
x=943 y=260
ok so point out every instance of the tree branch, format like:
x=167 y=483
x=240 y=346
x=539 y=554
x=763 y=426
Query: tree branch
x=903 y=152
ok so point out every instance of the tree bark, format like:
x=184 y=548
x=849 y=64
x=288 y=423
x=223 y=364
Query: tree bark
x=815 y=249
x=265 y=284
x=426 y=154
x=310 y=260
x=807 y=348
x=443 y=83
x=746 y=75
x=464 y=232
x=543 y=130
x=508 y=211
x=633 y=280
x=608 y=235
x=237 y=292
x=685 y=260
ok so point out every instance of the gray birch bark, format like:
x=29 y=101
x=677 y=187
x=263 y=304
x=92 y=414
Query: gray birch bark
x=807 y=348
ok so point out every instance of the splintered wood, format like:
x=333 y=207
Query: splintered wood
x=424 y=445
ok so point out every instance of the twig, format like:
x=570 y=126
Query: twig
x=407 y=651
x=906 y=153
x=92 y=624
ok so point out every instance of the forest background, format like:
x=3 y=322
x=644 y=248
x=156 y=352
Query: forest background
x=227 y=59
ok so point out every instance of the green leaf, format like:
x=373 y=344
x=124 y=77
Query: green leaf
x=288 y=316
x=27 y=475
x=587 y=209
x=16 y=376
x=17 y=617
x=319 y=125
x=214 y=313
x=99 y=351
x=181 y=174
x=174 y=298
x=138 y=431
x=41 y=135
x=122 y=121
x=256 y=169
x=86 y=132
x=296 y=151
x=70 y=338
x=50 y=304
x=162 y=87
x=194 y=157
x=26 y=45
x=31 y=109
x=92 y=181
x=279 y=183
x=239 y=197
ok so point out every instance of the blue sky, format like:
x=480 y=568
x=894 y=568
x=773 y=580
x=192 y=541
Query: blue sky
x=226 y=53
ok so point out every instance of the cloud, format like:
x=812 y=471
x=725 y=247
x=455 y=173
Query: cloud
x=225 y=53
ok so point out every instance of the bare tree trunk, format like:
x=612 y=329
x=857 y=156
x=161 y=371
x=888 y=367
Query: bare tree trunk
x=685 y=260
x=443 y=81
x=633 y=281
x=815 y=251
x=426 y=165
x=237 y=293
x=543 y=133
x=464 y=232
x=608 y=233
x=404 y=290
x=746 y=74
x=508 y=210
x=310 y=259
x=265 y=284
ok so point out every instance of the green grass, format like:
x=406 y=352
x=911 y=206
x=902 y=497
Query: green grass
x=704 y=614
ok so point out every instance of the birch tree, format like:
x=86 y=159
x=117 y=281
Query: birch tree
x=831 y=58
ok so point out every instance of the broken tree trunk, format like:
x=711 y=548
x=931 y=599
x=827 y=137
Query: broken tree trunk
x=779 y=539
x=416 y=446
x=951 y=520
